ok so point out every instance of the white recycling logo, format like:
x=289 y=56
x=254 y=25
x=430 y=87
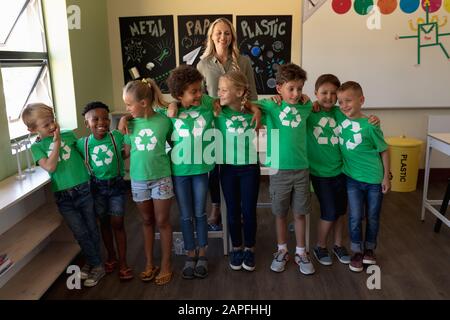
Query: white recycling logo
x=237 y=124
x=357 y=138
x=318 y=131
x=62 y=155
x=199 y=124
x=149 y=145
x=290 y=117
x=102 y=149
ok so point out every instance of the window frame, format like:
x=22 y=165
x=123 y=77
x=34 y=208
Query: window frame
x=17 y=59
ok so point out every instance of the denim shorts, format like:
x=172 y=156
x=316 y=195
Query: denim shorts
x=332 y=195
x=290 y=189
x=109 y=196
x=158 y=189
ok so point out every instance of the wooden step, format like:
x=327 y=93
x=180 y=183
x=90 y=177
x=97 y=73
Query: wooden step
x=38 y=275
x=21 y=239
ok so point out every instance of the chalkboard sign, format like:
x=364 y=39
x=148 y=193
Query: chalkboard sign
x=192 y=32
x=267 y=41
x=148 y=48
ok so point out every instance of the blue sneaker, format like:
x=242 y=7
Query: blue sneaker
x=249 y=260
x=236 y=259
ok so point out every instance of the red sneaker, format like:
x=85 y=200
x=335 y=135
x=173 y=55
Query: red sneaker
x=356 y=262
x=369 y=257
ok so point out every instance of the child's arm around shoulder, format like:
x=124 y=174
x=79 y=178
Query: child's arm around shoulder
x=386 y=184
x=49 y=164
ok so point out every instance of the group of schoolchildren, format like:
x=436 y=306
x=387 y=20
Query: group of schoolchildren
x=338 y=149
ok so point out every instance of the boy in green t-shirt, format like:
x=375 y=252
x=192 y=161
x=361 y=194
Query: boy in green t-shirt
x=56 y=152
x=102 y=151
x=289 y=186
x=366 y=165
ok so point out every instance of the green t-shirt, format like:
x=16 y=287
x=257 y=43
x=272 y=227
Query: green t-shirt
x=324 y=155
x=289 y=138
x=361 y=144
x=70 y=171
x=237 y=138
x=192 y=134
x=148 y=157
x=102 y=156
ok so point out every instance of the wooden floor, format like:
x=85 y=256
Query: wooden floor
x=414 y=263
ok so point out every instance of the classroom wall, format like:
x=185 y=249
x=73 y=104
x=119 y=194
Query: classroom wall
x=120 y=8
x=90 y=52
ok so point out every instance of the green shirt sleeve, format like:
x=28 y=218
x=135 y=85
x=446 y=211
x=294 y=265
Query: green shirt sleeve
x=80 y=146
x=378 y=138
x=38 y=152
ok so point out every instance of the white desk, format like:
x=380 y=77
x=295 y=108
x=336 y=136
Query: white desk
x=440 y=142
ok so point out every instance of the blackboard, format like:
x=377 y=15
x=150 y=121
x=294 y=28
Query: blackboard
x=148 y=48
x=267 y=41
x=192 y=32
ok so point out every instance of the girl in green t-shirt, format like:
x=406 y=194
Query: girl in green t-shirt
x=150 y=173
x=240 y=172
x=192 y=128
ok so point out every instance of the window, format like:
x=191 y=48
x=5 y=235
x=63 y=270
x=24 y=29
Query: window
x=23 y=60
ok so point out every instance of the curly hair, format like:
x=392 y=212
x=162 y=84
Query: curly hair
x=290 y=72
x=94 y=105
x=180 y=78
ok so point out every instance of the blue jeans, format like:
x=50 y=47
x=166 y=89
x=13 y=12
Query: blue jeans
x=363 y=198
x=109 y=197
x=76 y=205
x=240 y=186
x=191 y=193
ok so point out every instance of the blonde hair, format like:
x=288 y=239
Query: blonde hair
x=210 y=50
x=35 y=111
x=239 y=81
x=145 y=89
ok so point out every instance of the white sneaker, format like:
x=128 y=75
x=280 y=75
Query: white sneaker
x=94 y=276
x=279 y=261
x=305 y=264
x=84 y=272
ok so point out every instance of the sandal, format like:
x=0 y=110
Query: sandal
x=126 y=274
x=149 y=274
x=110 y=266
x=162 y=279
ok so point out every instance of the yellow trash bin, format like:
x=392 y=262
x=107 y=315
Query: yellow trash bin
x=404 y=157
